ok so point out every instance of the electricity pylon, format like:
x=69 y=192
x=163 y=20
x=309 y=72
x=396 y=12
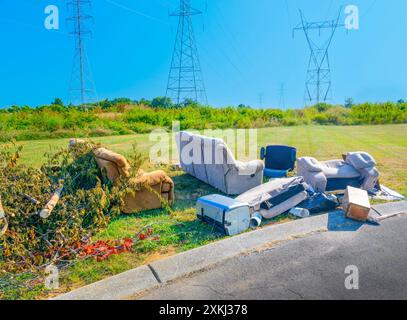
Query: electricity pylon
x=185 y=80
x=82 y=88
x=318 y=82
x=282 y=96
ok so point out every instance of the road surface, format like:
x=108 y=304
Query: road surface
x=311 y=267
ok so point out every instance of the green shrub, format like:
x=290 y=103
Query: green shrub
x=122 y=116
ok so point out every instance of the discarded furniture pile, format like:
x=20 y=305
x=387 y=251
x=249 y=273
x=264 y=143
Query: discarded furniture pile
x=321 y=186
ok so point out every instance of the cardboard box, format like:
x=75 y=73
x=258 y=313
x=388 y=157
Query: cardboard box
x=356 y=204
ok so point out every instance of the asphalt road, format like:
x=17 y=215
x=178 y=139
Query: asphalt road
x=312 y=267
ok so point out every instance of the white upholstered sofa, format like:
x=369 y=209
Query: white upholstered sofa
x=357 y=170
x=211 y=161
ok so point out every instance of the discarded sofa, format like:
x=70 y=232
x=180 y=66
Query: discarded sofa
x=211 y=161
x=148 y=190
x=357 y=170
x=275 y=197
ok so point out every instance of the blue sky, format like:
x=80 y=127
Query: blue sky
x=246 y=49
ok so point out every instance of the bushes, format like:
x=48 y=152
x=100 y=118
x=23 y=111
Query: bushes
x=389 y=112
x=122 y=116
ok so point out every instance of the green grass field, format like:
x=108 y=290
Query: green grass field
x=387 y=143
x=180 y=231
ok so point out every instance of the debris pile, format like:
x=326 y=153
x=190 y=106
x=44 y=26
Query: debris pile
x=46 y=213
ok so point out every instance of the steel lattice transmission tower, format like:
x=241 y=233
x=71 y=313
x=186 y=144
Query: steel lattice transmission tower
x=185 y=80
x=82 y=88
x=318 y=82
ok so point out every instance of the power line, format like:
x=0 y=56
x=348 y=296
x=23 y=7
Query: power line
x=142 y=14
x=185 y=80
x=288 y=13
x=282 y=96
x=261 y=95
x=318 y=83
x=82 y=88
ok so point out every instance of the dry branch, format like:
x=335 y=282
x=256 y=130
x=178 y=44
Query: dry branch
x=46 y=212
x=2 y=213
x=31 y=199
x=3 y=217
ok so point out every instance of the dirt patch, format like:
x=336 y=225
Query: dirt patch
x=161 y=254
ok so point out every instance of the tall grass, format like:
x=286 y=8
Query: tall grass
x=126 y=117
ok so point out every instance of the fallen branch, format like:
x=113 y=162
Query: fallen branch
x=5 y=227
x=2 y=213
x=3 y=217
x=31 y=199
x=46 y=212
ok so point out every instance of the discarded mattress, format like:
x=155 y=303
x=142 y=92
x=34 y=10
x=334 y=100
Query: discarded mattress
x=275 y=197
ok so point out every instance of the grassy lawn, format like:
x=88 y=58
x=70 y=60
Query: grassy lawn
x=180 y=230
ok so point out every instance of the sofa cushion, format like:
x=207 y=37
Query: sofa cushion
x=339 y=169
x=271 y=173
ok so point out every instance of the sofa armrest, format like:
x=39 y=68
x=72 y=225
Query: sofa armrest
x=360 y=160
x=309 y=164
x=370 y=178
x=249 y=168
x=317 y=180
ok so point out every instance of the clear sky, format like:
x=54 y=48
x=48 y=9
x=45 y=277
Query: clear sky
x=246 y=49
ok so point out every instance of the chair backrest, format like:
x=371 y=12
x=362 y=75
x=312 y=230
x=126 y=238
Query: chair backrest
x=279 y=157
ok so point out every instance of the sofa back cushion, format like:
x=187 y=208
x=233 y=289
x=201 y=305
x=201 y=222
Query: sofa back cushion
x=279 y=157
x=214 y=162
x=185 y=151
x=341 y=170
